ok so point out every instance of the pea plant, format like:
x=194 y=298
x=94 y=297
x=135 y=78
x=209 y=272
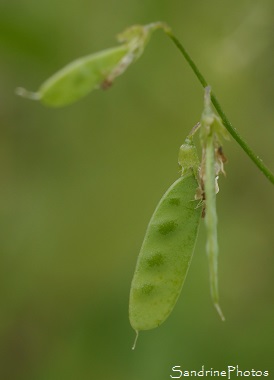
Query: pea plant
x=170 y=238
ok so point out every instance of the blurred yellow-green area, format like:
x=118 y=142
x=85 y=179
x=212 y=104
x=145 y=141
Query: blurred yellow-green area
x=79 y=184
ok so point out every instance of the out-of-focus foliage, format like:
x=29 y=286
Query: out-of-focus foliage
x=79 y=184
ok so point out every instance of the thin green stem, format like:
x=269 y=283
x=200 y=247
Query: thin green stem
x=256 y=159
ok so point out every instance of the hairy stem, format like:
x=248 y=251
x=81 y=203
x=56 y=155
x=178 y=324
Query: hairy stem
x=256 y=159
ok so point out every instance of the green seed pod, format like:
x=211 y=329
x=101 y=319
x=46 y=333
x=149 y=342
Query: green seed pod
x=78 y=78
x=211 y=219
x=94 y=71
x=211 y=133
x=165 y=255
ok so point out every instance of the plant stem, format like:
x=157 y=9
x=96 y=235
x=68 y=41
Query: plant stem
x=256 y=159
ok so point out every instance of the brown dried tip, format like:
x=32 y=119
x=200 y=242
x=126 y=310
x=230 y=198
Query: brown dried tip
x=220 y=154
x=107 y=83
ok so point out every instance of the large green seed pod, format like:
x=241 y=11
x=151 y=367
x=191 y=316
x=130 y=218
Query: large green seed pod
x=165 y=255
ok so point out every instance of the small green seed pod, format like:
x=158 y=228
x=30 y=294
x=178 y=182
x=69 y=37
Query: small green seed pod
x=211 y=133
x=165 y=255
x=78 y=78
x=94 y=71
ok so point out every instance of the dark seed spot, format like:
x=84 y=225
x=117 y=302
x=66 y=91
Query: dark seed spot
x=155 y=260
x=167 y=227
x=147 y=289
x=174 y=201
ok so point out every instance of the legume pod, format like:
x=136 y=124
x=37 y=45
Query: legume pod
x=93 y=71
x=165 y=254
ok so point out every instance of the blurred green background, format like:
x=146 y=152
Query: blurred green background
x=79 y=184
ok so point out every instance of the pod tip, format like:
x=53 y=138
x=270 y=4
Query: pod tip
x=135 y=340
x=27 y=94
x=219 y=311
